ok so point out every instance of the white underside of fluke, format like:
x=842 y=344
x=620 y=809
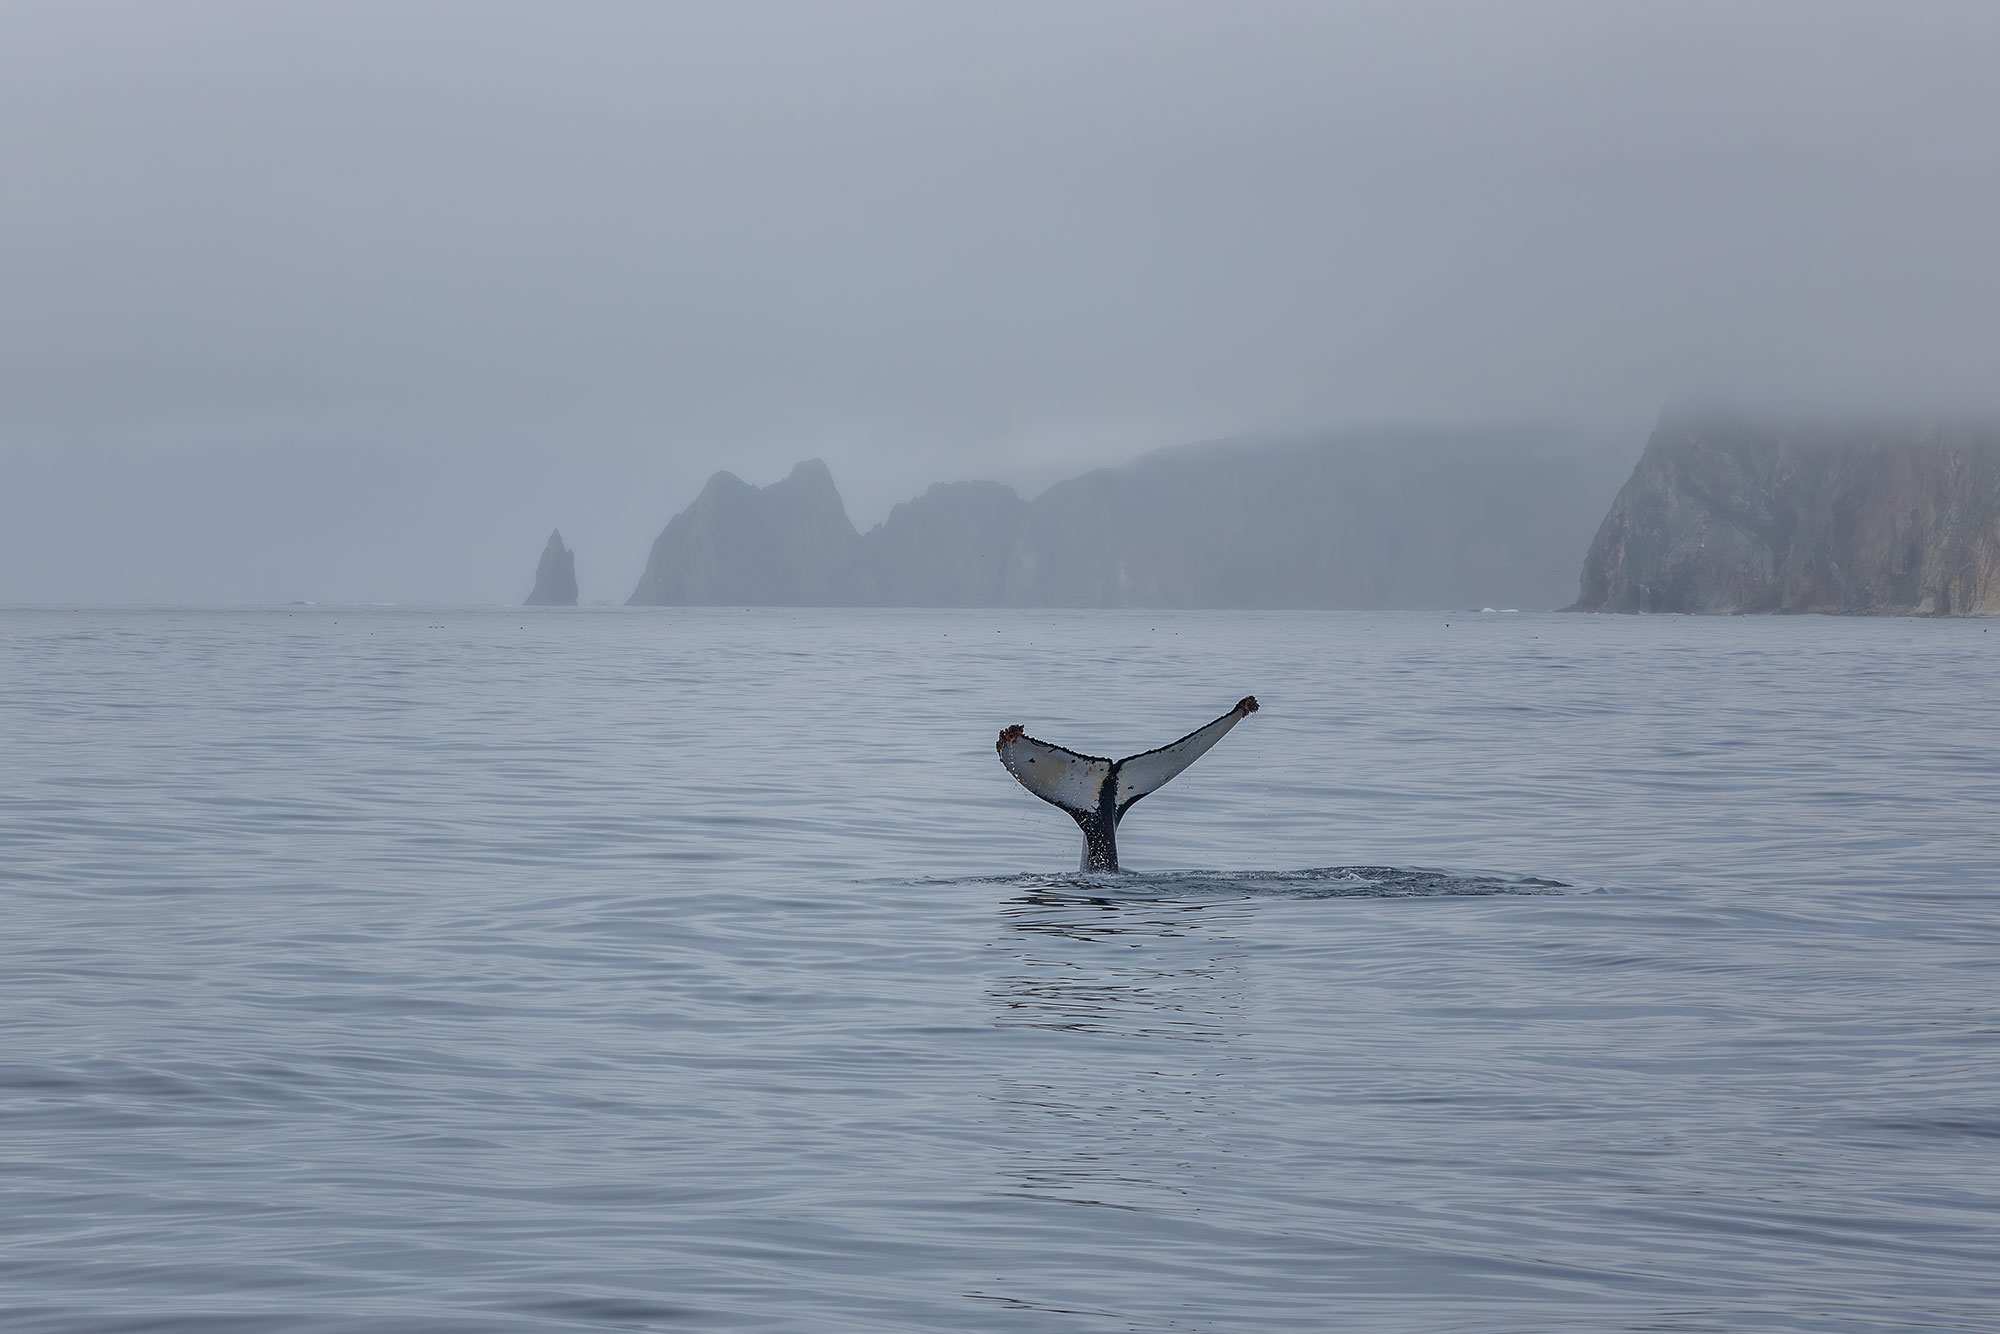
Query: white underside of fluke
x=1145 y=773
x=1060 y=777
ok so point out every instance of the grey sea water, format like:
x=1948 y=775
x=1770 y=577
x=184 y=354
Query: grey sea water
x=519 y=971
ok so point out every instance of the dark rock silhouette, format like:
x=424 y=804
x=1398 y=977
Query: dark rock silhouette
x=1388 y=518
x=1729 y=514
x=954 y=546
x=555 y=577
x=787 y=544
x=1416 y=518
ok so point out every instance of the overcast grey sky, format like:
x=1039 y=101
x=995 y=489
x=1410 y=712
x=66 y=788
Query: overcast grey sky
x=356 y=300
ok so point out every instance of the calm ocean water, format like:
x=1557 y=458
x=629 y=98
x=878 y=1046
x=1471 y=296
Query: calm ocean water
x=492 y=970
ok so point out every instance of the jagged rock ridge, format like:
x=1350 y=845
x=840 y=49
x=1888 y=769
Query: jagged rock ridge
x=1420 y=518
x=1728 y=514
x=787 y=544
x=555 y=577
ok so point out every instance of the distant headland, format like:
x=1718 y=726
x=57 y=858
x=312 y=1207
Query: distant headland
x=1724 y=513
x=1393 y=518
x=1728 y=514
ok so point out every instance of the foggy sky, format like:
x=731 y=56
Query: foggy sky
x=357 y=300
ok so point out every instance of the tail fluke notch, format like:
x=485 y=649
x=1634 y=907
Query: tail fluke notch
x=1097 y=792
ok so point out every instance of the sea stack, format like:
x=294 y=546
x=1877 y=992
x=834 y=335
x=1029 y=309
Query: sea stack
x=555 y=577
x=1727 y=514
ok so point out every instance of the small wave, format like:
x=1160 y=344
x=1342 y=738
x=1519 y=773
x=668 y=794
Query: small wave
x=1317 y=882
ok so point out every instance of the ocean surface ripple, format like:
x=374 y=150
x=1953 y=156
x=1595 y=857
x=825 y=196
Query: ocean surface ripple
x=422 y=970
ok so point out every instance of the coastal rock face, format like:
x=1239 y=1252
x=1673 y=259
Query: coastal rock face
x=1443 y=518
x=787 y=544
x=555 y=577
x=1417 y=518
x=1727 y=514
x=954 y=546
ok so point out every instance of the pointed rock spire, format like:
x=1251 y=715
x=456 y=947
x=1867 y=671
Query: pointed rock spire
x=555 y=577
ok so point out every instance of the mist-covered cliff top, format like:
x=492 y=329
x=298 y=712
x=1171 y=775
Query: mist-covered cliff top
x=1728 y=512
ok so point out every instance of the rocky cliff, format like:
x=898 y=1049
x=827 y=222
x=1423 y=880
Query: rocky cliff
x=1436 y=518
x=1729 y=514
x=555 y=577
x=957 y=545
x=787 y=544
x=1389 y=518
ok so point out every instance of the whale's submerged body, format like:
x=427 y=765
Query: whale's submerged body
x=1097 y=792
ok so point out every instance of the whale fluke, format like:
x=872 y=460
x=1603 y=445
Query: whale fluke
x=1097 y=792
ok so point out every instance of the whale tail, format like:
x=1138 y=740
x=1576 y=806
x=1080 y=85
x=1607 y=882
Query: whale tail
x=1097 y=792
